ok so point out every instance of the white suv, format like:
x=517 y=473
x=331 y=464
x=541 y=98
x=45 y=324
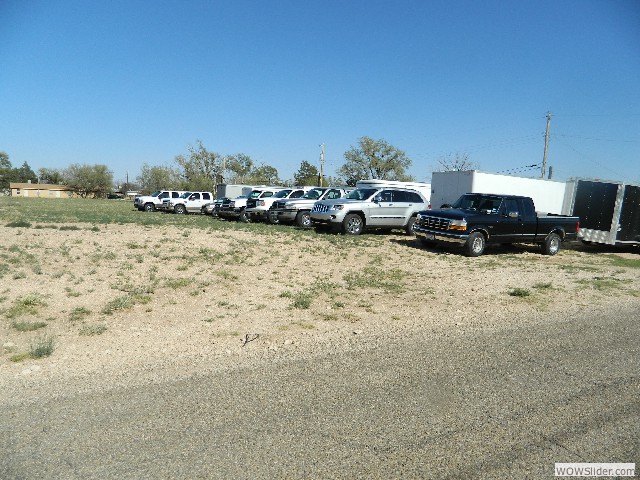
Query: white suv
x=370 y=208
x=190 y=202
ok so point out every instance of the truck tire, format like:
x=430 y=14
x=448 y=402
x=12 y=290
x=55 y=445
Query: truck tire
x=149 y=207
x=474 y=246
x=244 y=218
x=272 y=219
x=409 y=227
x=303 y=219
x=180 y=209
x=353 y=224
x=551 y=244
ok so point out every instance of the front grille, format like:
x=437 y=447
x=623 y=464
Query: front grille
x=278 y=204
x=435 y=223
x=320 y=208
x=251 y=203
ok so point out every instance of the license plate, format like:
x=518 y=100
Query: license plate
x=429 y=236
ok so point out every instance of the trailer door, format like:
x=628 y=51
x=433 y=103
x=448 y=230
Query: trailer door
x=629 y=226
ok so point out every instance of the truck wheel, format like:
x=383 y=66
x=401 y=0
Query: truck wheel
x=244 y=217
x=551 y=244
x=272 y=219
x=352 y=224
x=303 y=219
x=475 y=244
x=180 y=209
x=409 y=227
x=149 y=207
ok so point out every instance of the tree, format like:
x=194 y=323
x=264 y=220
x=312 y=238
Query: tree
x=89 y=180
x=202 y=168
x=456 y=163
x=307 y=174
x=25 y=174
x=154 y=178
x=374 y=159
x=240 y=166
x=264 y=175
x=6 y=171
x=50 y=175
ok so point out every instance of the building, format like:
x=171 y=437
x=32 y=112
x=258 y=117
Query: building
x=40 y=190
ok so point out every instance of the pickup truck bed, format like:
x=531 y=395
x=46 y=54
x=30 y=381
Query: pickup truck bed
x=477 y=220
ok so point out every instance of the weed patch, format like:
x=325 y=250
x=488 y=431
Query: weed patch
x=42 y=347
x=25 y=326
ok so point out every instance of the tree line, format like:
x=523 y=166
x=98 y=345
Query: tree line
x=203 y=169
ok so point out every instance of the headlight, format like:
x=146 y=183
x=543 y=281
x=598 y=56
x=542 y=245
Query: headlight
x=418 y=217
x=338 y=207
x=458 y=225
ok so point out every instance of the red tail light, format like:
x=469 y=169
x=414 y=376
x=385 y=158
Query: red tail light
x=578 y=226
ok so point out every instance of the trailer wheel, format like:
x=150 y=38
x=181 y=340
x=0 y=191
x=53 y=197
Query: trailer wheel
x=551 y=244
x=475 y=244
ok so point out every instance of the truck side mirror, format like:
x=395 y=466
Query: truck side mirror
x=377 y=199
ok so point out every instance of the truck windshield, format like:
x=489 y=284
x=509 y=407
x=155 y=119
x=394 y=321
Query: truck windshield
x=282 y=194
x=255 y=194
x=479 y=203
x=361 y=193
x=314 y=194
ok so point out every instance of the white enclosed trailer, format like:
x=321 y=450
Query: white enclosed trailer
x=446 y=187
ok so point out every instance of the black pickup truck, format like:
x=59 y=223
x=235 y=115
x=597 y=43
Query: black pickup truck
x=477 y=219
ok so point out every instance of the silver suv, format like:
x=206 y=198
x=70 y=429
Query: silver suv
x=370 y=208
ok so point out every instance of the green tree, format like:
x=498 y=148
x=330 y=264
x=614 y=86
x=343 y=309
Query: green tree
x=239 y=165
x=307 y=174
x=202 y=169
x=264 y=175
x=6 y=171
x=25 y=174
x=154 y=178
x=374 y=159
x=50 y=175
x=89 y=180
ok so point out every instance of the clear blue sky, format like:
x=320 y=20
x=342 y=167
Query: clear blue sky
x=127 y=82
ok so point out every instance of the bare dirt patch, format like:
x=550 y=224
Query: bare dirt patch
x=127 y=300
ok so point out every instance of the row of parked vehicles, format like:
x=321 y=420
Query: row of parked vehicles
x=473 y=222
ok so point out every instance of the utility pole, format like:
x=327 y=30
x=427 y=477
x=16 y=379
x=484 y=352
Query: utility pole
x=546 y=145
x=321 y=165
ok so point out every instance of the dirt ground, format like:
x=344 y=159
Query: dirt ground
x=123 y=301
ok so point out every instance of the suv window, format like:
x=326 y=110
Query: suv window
x=267 y=194
x=333 y=194
x=195 y=196
x=412 y=197
x=206 y=196
x=297 y=194
x=163 y=195
x=386 y=196
x=175 y=194
x=314 y=194
x=361 y=193
x=282 y=194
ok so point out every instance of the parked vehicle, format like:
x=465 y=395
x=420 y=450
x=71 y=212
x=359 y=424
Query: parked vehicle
x=150 y=203
x=189 y=202
x=423 y=188
x=234 y=209
x=258 y=209
x=477 y=219
x=299 y=210
x=368 y=208
x=212 y=208
x=446 y=188
x=609 y=211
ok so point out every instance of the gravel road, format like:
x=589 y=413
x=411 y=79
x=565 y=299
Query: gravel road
x=501 y=402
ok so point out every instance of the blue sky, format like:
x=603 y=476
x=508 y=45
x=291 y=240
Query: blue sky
x=124 y=83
